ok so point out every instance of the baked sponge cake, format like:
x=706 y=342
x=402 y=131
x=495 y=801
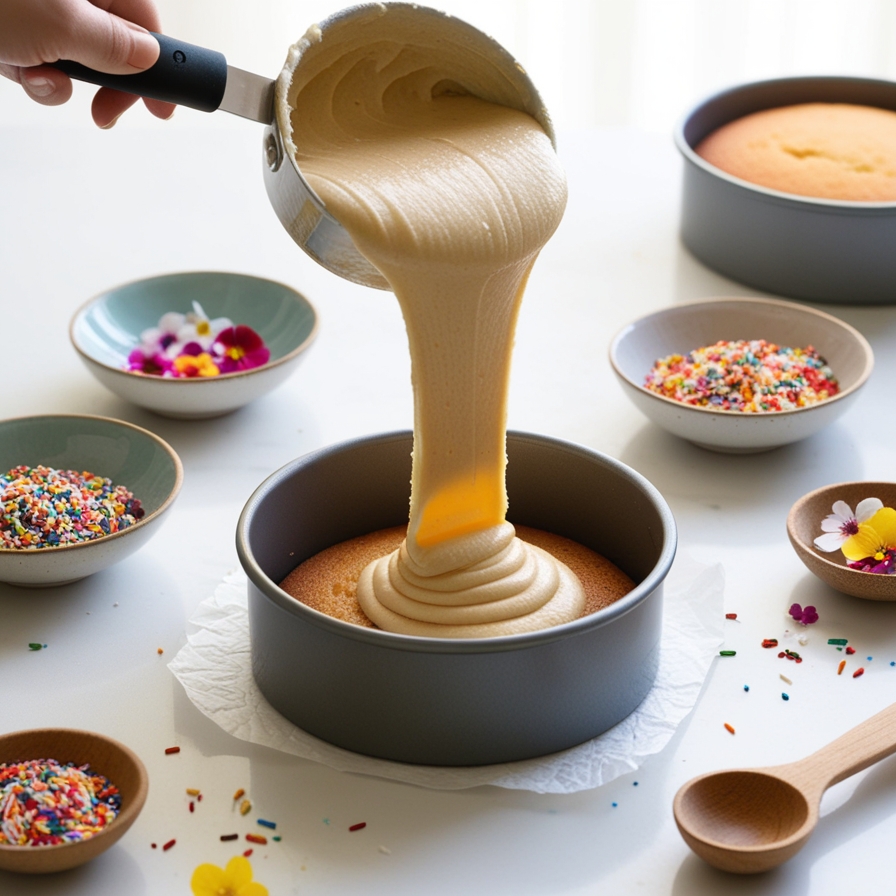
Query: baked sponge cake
x=824 y=150
x=328 y=581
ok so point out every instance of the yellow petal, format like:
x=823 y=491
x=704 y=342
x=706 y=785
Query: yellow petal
x=253 y=889
x=884 y=523
x=207 y=880
x=865 y=543
x=238 y=873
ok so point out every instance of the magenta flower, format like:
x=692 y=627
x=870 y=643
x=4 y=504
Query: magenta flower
x=883 y=565
x=804 y=615
x=239 y=348
x=151 y=363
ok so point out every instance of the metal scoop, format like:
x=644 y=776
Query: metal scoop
x=201 y=79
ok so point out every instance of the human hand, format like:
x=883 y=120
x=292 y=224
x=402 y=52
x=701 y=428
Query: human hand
x=106 y=35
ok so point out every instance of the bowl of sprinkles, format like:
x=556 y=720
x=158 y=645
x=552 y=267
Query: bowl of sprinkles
x=77 y=494
x=65 y=796
x=741 y=375
x=196 y=344
x=846 y=535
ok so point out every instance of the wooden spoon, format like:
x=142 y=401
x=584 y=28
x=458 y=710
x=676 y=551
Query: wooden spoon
x=749 y=820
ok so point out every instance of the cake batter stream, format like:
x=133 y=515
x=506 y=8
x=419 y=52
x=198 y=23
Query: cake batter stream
x=451 y=197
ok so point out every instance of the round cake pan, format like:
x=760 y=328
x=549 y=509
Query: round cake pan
x=823 y=250
x=454 y=702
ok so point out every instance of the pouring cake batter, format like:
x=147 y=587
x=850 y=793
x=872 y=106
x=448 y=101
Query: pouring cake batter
x=451 y=197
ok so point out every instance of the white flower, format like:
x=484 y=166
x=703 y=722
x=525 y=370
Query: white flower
x=198 y=328
x=157 y=338
x=843 y=523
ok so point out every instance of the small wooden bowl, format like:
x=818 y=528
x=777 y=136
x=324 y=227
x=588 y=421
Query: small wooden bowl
x=104 y=755
x=804 y=526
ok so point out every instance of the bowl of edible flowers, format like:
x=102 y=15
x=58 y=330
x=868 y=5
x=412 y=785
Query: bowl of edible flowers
x=846 y=535
x=195 y=344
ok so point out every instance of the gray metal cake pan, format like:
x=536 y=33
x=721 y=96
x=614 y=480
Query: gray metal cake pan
x=822 y=250
x=454 y=702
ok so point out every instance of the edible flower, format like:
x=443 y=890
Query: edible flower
x=240 y=348
x=804 y=615
x=234 y=880
x=843 y=524
x=197 y=327
x=195 y=365
x=149 y=361
x=874 y=538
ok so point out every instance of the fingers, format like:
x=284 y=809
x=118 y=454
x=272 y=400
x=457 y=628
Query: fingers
x=160 y=109
x=46 y=85
x=108 y=106
x=110 y=44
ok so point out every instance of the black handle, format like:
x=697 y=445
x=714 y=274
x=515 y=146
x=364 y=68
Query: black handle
x=183 y=74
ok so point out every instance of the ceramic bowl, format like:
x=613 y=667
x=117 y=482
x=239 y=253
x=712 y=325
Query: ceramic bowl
x=106 y=756
x=126 y=454
x=682 y=328
x=108 y=328
x=824 y=250
x=804 y=525
x=454 y=701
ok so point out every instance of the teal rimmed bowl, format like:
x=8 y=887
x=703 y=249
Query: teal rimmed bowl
x=106 y=329
x=126 y=454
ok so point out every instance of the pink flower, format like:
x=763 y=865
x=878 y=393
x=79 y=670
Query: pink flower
x=240 y=348
x=151 y=363
x=804 y=615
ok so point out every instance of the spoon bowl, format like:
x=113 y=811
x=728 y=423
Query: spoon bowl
x=751 y=820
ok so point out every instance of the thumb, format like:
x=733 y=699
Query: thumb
x=108 y=43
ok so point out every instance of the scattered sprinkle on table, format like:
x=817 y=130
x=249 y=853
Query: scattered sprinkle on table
x=841 y=667
x=769 y=642
x=276 y=838
x=729 y=728
x=171 y=750
x=785 y=679
x=226 y=837
x=168 y=845
x=159 y=651
x=41 y=507
x=248 y=852
x=850 y=650
x=268 y=824
x=44 y=802
x=785 y=696
x=841 y=641
x=358 y=827
x=751 y=376
x=869 y=658
x=238 y=794
x=192 y=791
x=858 y=672
x=731 y=615
x=257 y=838
x=192 y=806
x=36 y=646
x=746 y=687
x=727 y=653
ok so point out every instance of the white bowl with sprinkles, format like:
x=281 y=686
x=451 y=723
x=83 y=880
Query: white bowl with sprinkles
x=77 y=494
x=741 y=375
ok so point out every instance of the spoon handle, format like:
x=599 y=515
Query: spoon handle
x=859 y=748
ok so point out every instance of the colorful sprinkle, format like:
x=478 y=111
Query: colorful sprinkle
x=268 y=824
x=785 y=696
x=850 y=650
x=276 y=838
x=45 y=803
x=171 y=750
x=744 y=375
x=245 y=807
x=226 y=837
x=841 y=641
x=727 y=653
x=785 y=679
x=168 y=845
x=731 y=615
x=841 y=667
x=858 y=672
x=35 y=646
x=192 y=791
x=257 y=838
x=248 y=853
x=192 y=806
x=729 y=728
x=41 y=507
x=746 y=687
x=769 y=642
x=359 y=826
x=159 y=651
x=238 y=794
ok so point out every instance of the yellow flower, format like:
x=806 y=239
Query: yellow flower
x=234 y=880
x=874 y=537
x=196 y=365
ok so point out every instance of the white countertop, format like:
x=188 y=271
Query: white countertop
x=85 y=210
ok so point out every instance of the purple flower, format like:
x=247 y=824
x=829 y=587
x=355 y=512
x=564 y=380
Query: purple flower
x=882 y=566
x=804 y=615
